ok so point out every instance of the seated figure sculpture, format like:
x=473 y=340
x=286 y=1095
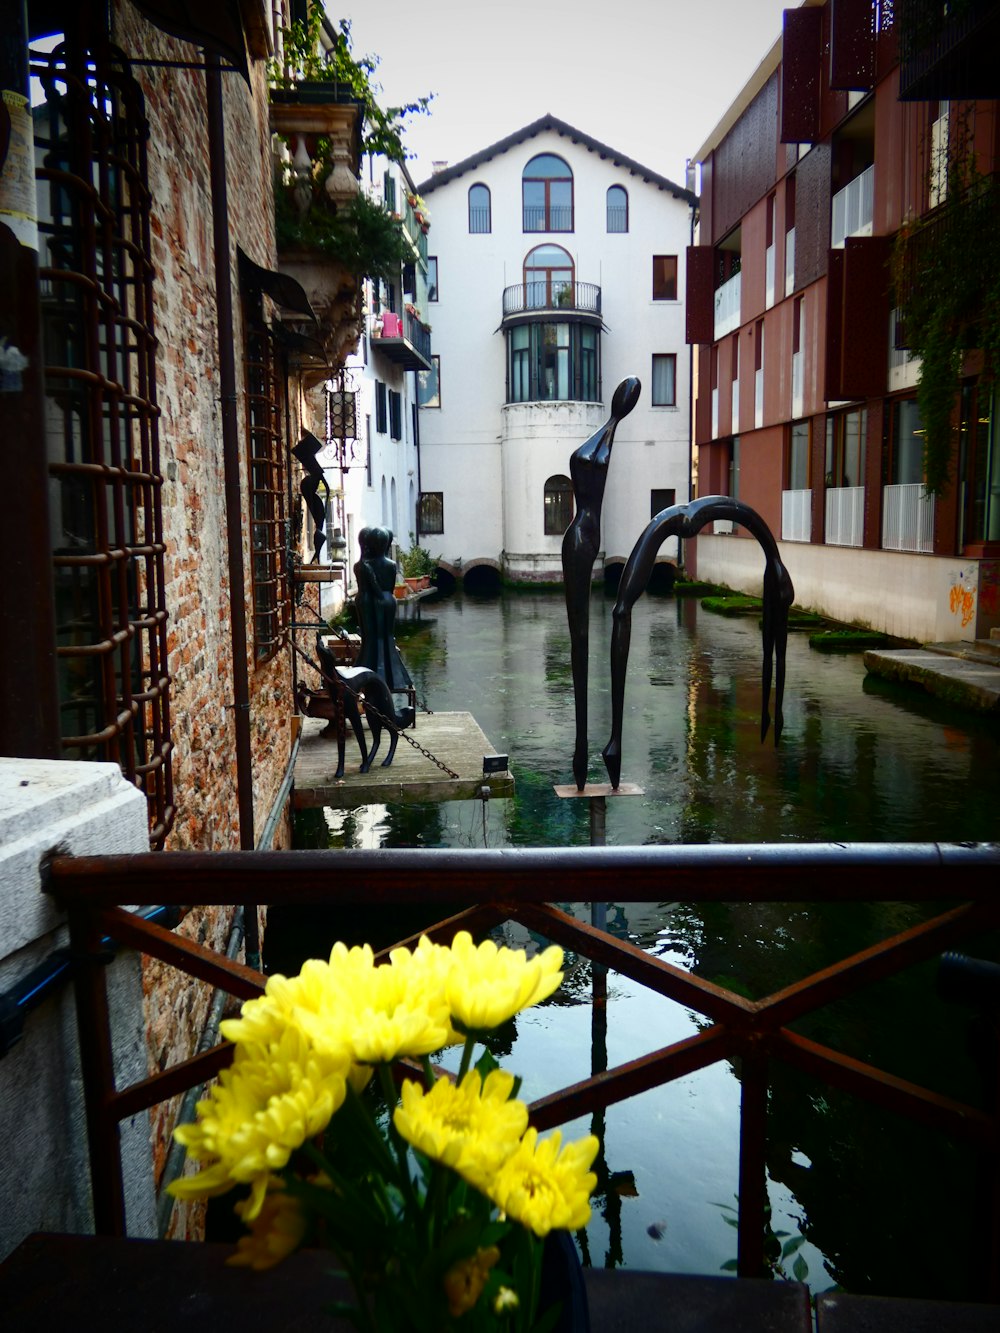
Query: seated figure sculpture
x=375 y=602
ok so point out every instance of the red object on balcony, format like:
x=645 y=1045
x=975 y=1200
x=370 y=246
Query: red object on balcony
x=392 y=325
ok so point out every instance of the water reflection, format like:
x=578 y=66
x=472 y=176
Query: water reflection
x=859 y=760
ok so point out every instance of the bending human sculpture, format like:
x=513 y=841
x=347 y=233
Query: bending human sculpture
x=687 y=521
x=588 y=470
x=375 y=573
x=305 y=451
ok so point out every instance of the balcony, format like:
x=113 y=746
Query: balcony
x=727 y=306
x=790 y=261
x=798 y=383
x=582 y=300
x=907 y=518
x=402 y=340
x=853 y=209
x=948 y=51
x=769 y=277
x=845 y=516
x=796 y=516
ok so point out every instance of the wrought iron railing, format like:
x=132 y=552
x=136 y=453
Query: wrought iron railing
x=517 y=886
x=554 y=294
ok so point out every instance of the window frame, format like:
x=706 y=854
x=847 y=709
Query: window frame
x=433 y=287
x=435 y=498
x=665 y=357
x=608 y=206
x=664 y=281
x=395 y=415
x=381 y=408
x=476 y=230
x=794 y=465
x=556 y=502
x=548 y=206
x=423 y=381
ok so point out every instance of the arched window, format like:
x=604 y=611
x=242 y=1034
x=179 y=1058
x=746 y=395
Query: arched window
x=547 y=194
x=558 y=505
x=548 y=278
x=617 y=208
x=479 y=209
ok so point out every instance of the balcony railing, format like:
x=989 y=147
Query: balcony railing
x=404 y=340
x=769 y=276
x=557 y=217
x=758 y=398
x=845 y=516
x=556 y=294
x=907 y=518
x=853 y=209
x=518 y=885
x=727 y=306
x=798 y=383
x=796 y=516
x=789 y=261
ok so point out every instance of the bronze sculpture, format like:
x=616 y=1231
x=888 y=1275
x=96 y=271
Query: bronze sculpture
x=306 y=452
x=588 y=470
x=686 y=521
x=375 y=602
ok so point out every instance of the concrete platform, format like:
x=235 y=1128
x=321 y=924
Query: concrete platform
x=454 y=738
x=965 y=683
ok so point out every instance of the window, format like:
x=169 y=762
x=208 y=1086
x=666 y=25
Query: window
x=660 y=498
x=558 y=505
x=381 y=415
x=479 y=209
x=664 y=379
x=548 y=278
x=368 y=449
x=845 y=448
x=547 y=194
x=664 y=277
x=617 y=209
x=906 y=453
x=429 y=385
x=395 y=416
x=798 y=456
x=555 y=362
x=389 y=192
x=430 y=514
x=432 y=278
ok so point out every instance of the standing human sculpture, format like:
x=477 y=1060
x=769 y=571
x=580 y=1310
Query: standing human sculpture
x=375 y=574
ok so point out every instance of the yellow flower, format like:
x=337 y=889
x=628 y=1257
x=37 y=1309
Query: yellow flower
x=506 y=1301
x=488 y=985
x=465 y=1280
x=275 y=1232
x=546 y=1188
x=262 y=1109
x=471 y=1128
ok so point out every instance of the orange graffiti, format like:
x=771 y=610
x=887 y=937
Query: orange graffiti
x=961 y=599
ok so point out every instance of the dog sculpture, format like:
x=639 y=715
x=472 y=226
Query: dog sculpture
x=348 y=685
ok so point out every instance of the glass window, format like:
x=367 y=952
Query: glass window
x=907 y=443
x=798 y=456
x=479 y=209
x=845 y=448
x=555 y=362
x=432 y=278
x=547 y=194
x=430 y=513
x=617 y=209
x=395 y=416
x=558 y=505
x=520 y=364
x=589 y=390
x=429 y=385
x=664 y=277
x=660 y=498
x=664 y=379
x=548 y=278
x=381 y=411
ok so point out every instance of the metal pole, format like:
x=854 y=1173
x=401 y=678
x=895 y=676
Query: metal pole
x=231 y=469
x=29 y=688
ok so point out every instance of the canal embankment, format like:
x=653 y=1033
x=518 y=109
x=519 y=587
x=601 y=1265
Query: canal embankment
x=966 y=674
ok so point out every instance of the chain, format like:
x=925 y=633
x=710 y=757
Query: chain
x=387 y=722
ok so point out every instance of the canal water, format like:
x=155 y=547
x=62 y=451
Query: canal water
x=864 y=1200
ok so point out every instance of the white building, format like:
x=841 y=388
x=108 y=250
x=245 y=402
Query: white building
x=554 y=273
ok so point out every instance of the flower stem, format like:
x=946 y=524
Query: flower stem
x=399 y=1143
x=467 y=1050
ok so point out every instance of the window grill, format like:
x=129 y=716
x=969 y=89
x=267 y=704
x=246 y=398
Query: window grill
x=102 y=439
x=268 y=528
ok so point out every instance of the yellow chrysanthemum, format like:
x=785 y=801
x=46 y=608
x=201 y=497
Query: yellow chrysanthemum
x=472 y=1127
x=464 y=1280
x=544 y=1185
x=275 y=1232
x=262 y=1109
x=487 y=985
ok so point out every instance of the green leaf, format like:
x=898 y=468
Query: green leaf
x=800 y=1268
x=730 y=1266
x=791 y=1246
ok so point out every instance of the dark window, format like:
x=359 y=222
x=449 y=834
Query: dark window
x=548 y=278
x=395 y=415
x=102 y=424
x=557 y=362
x=389 y=192
x=798 y=456
x=664 y=277
x=381 y=414
x=547 y=194
x=430 y=513
x=906 y=441
x=480 y=219
x=845 y=447
x=661 y=498
x=368 y=449
x=617 y=208
x=429 y=385
x=432 y=278
x=558 y=505
x=664 y=388
x=980 y=464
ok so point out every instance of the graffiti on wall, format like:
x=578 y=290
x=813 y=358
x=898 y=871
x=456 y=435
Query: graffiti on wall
x=962 y=595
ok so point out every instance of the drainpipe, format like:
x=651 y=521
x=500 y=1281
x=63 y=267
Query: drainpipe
x=231 y=472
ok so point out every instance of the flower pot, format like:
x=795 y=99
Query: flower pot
x=562 y=1281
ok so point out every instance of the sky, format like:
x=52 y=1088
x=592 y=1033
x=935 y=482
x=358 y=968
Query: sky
x=650 y=78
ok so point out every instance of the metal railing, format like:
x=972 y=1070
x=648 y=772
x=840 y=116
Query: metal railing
x=557 y=217
x=907 y=518
x=415 y=333
x=845 y=516
x=517 y=885
x=853 y=209
x=554 y=294
x=727 y=306
x=796 y=516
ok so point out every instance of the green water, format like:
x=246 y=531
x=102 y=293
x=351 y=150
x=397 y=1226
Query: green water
x=883 y=1206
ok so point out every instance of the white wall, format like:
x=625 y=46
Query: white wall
x=917 y=597
x=461 y=442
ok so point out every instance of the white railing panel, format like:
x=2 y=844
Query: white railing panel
x=798 y=383
x=796 y=516
x=735 y=407
x=758 y=399
x=789 y=261
x=715 y=413
x=727 y=306
x=853 y=209
x=769 y=276
x=907 y=518
x=845 y=516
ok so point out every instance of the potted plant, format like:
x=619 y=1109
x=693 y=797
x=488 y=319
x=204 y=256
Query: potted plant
x=418 y=566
